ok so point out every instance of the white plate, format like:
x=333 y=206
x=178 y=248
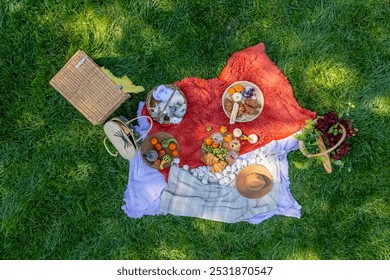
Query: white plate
x=259 y=96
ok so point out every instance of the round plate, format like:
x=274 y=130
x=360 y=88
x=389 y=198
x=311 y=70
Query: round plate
x=259 y=97
x=232 y=146
x=147 y=146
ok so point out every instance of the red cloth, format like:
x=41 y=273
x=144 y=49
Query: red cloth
x=281 y=115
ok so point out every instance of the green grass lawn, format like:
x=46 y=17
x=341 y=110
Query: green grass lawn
x=61 y=193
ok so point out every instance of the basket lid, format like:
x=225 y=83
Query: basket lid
x=88 y=88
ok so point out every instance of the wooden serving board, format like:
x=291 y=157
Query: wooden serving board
x=147 y=146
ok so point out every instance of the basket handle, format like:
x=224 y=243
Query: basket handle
x=302 y=145
x=136 y=118
x=166 y=104
x=108 y=150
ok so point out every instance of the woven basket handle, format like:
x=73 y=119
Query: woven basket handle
x=302 y=146
x=116 y=154
x=151 y=124
x=166 y=104
x=108 y=150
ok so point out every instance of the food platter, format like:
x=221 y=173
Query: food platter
x=246 y=97
x=158 y=146
x=219 y=150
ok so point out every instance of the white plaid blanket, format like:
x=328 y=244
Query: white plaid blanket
x=186 y=195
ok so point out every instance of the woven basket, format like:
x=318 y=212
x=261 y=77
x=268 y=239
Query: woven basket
x=151 y=102
x=88 y=89
x=324 y=152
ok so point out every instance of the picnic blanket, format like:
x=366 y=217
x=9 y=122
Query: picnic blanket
x=148 y=193
x=281 y=115
x=186 y=195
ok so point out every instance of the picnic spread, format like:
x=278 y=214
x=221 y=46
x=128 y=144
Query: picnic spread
x=214 y=149
x=184 y=194
x=281 y=115
x=234 y=132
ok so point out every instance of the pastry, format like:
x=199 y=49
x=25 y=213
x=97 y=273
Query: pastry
x=209 y=159
x=249 y=110
x=241 y=110
x=218 y=167
x=228 y=105
x=253 y=103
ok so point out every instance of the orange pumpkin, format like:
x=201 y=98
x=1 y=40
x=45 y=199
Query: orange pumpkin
x=223 y=129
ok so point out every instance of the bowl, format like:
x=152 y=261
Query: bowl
x=170 y=112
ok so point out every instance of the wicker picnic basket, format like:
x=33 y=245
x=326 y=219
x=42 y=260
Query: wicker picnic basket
x=88 y=88
x=324 y=152
x=151 y=102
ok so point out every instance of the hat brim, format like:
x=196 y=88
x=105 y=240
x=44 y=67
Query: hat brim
x=245 y=190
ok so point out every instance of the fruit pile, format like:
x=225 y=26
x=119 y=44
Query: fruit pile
x=219 y=150
x=161 y=152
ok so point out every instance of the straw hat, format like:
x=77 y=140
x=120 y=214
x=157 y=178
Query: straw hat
x=254 y=181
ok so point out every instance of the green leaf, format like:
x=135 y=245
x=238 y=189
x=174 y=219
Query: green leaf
x=339 y=163
x=304 y=165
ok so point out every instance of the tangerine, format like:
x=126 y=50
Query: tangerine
x=158 y=147
x=228 y=138
x=215 y=145
x=208 y=141
x=161 y=153
x=231 y=90
x=154 y=141
x=238 y=88
x=172 y=146
x=175 y=153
